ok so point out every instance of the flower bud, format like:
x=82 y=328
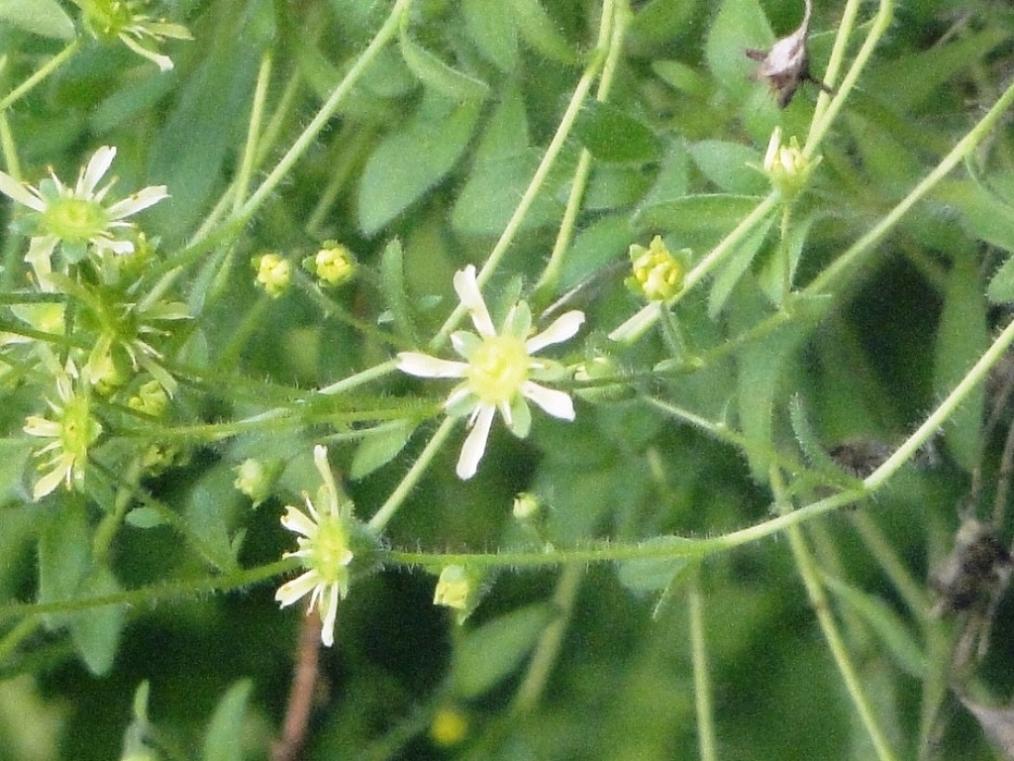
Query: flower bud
x=256 y=479
x=657 y=274
x=460 y=589
x=786 y=166
x=449 y=726
x=151 y=399
x=274 y=274
x=527 y=506
x=333 y=264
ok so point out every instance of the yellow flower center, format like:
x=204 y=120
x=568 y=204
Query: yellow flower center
x=656 y=274
x=498 y=368
x=75 y=220
x=331 y=552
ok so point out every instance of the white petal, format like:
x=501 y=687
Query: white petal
x=296 y=520
x=142 y=199
x=475 y=444
x=291 y=591
x=98 y=165
x=425 y=366
x=40 y=426
x=163 y=62
x=50 y=481
x=40 y=257
x=471 y=298
x=556 y=403
x=20 y=192
x=328 y=619
x=563 y=327
x=167 y=29
x=119 y=247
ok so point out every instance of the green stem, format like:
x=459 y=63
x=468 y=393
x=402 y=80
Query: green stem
x=638 y=325
x=964 y=146
x=242 y=182
x=818 y=600
x=538 y=179
x=785 y=254
x=155 y=593
x=44 y=71
x=819 y=128
x=365 y=376
x=702 y=680
x=841 y=41
x=110 y=524
x=551 y=274
x=548 y=648
x=350 y=151
x=877 y=545
x=386 y=32
x=21 y=631
x=390 y=507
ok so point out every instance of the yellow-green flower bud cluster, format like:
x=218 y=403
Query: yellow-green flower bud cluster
x=333 y=265
x=274 y=274
x=657 y=274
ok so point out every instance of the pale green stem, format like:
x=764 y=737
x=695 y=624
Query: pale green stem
x=111 y=522
x=551 y=274
x=537 y=181
x=22 y=631
x=548 y=648
x=682 y=548
x=328 y=110
x=818 y=129
x=38 y=76
x=638 y=325
x=246 y=167
x=877 y=545
x=821 y=607
x=353 y=381
x=841 y=41
x=349 y=151
x=146 y=595
x=785 y=254
x=964 y=146
x=706 y=743
x=10 y=154
x=390 y=507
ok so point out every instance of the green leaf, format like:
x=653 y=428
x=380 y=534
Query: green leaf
x=503 y=168
x=210 y=503
x=411 y=160
x=697 y=219
x=739 y=24
x=602 y=242
x=392 y=282
x=541 y=32
x=735 y=267
x=378 y=449
x=682 y=77
x=96 y=632
x=1001 y=285
x=488 y=654
x=223 y=739
x=760 y=367
x=673 y=178
x=144 y=518
x=885 y=622
x=911 y=79
x=771 y=277
x=201 y=130
x=984 y=215
x=494 y=30
x=726 y=165
x=436 y=74
x=962 y=336
x=644 y=576
x=613 y=135
x=43 y=17
x=64 y=553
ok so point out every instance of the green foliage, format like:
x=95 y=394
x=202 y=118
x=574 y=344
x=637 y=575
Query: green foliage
x=181 y=452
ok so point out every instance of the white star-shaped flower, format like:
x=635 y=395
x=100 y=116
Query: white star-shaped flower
x=498 y=370
x=323 y=549
x=76 y=217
